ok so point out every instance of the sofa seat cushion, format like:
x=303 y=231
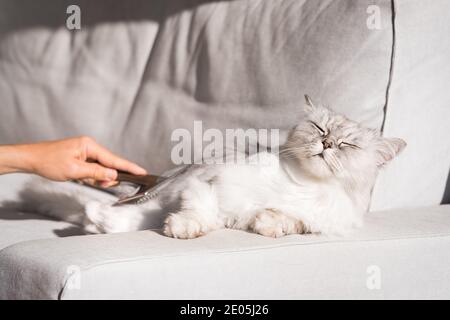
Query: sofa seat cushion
x=20 y=226
x=393 y=248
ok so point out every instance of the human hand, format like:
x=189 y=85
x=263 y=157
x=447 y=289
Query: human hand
x=78 y=158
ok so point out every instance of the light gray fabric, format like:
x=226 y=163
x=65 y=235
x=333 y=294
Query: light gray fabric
x=419 y=107
x=404 y=244
x=55 y=83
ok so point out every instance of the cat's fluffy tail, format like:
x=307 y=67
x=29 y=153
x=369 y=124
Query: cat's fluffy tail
x=60 y=200
x=87 y=207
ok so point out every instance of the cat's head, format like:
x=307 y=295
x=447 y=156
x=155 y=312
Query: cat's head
x=329 y=145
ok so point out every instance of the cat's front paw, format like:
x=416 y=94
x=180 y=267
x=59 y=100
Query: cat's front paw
x=272 y=223
x=183 y=226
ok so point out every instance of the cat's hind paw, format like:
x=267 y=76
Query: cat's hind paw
x=272 y=223
x=104 y=218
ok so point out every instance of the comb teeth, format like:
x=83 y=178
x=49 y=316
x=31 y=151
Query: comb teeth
x=142 y=195
x=146 y=197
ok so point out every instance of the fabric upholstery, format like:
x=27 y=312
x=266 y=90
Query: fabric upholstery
x=418 y=108
x=403 y=244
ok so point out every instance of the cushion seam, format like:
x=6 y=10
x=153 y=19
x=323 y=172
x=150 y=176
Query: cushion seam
x=392 y=64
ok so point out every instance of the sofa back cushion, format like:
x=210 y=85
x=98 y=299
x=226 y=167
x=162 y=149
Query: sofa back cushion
x=418 y=108
x=136 y=72
x=56 y=82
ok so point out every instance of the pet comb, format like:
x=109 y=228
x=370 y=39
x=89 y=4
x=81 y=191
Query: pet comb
x=149 y=186
x=144 y=192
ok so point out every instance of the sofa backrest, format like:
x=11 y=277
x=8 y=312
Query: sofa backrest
x=136 y=72
x=418 y=109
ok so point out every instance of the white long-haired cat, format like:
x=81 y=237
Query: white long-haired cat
x=320 y=181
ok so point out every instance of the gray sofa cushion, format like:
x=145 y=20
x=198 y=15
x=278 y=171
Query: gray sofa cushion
x=419 y=107
x=397 y=245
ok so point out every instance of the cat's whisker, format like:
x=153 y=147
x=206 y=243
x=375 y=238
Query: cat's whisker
x=290 y=154
x=333 y=161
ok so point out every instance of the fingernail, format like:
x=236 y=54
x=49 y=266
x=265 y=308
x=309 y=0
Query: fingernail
x=111 y=174
x=108 y=184
x=141 y=170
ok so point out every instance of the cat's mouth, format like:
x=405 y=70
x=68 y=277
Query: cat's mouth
x=320 y=154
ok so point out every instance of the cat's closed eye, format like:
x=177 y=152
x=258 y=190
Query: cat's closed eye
x=322 y=131
x=347 y=144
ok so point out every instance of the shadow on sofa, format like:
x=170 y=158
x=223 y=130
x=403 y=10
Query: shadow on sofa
x=52 y=13
x=446 y=197
x=31 y=199
x=7 y=213
x=21 y=210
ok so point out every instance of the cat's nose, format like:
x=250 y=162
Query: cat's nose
x=327 y=143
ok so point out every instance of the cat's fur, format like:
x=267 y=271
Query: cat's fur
x=307 y=187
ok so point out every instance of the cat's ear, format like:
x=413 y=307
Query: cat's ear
x=388 y=148
x=309 y=106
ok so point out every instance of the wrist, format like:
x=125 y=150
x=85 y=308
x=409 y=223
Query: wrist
x=16 y=158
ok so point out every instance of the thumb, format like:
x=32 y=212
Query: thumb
x=96 y=172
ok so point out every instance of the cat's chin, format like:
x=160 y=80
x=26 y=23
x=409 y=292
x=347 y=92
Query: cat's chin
x=316 y=167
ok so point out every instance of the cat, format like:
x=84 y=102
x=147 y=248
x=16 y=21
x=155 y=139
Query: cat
x=320 y=181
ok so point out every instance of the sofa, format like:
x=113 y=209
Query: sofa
x=136 y=71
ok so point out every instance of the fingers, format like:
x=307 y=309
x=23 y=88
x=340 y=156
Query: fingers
x=89 y=181
x=110 y=160
x=101 y=184
x=108 y=184
x=94 y=171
